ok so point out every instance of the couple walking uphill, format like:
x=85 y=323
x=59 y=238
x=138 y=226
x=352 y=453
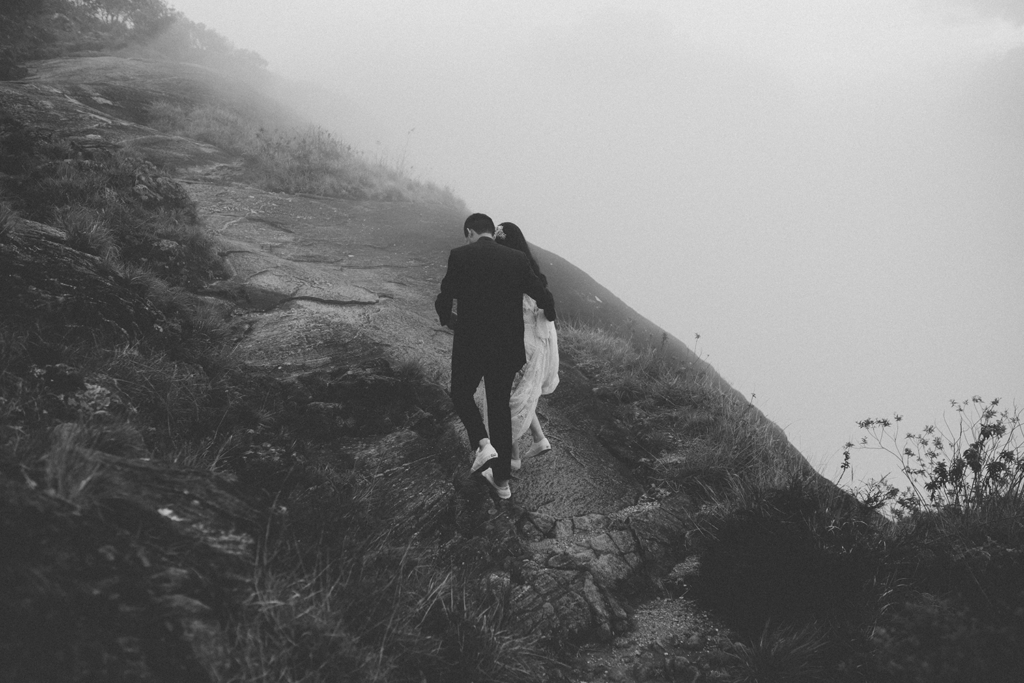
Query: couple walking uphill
x=504 y=335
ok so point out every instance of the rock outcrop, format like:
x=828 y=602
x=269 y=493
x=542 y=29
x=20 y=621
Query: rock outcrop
x=42 y=275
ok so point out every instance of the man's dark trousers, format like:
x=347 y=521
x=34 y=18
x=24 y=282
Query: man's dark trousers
x=498 y=380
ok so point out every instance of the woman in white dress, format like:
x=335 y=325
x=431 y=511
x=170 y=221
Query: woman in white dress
x=540 y=374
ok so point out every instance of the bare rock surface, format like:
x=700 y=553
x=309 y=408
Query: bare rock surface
x=91 y=120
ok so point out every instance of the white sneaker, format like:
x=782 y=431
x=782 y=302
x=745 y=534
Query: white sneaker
x=542 y=446
x=516 y=463
x=504 y=492
x=484 y=454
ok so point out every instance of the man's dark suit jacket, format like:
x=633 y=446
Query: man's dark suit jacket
x=489 y=281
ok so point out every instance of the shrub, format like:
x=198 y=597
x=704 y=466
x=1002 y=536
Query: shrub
x=956 y=546
x=790 y=556
x=977 y=458
x=935 y=594
x=932 y=639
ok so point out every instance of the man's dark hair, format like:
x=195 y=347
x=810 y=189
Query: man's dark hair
x=479 y=223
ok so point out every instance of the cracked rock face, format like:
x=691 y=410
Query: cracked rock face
x=263 y=281
x=578 y=565
x=566 y=605
x=37 y=267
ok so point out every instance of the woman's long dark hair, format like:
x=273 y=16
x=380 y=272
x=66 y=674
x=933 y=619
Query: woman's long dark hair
x=513 y=237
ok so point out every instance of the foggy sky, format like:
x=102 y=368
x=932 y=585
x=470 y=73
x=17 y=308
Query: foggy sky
x=830 y=194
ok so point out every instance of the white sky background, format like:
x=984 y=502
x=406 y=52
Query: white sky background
x=830 y=193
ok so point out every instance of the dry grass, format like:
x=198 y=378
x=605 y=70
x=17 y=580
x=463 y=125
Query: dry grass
x=293 y=629
x=692 y=428
x=380 y=614
x=297 y=160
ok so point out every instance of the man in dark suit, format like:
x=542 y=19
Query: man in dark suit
x=488 y=280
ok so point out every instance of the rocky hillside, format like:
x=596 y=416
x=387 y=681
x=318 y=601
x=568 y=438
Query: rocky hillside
x=227 y=447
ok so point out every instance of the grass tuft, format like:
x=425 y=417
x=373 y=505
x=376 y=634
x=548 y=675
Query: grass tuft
x=292 y=628
x=6 y=219
x=72 y=472
x=781 y=655
x=87 y=232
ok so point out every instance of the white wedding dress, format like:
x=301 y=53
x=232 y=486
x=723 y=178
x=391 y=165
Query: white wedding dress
x=538 y=376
